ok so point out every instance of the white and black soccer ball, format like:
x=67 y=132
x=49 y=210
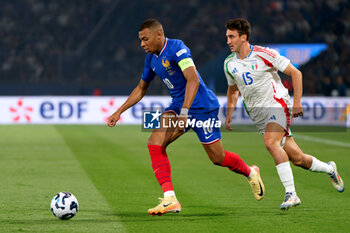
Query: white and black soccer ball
x=64 y=205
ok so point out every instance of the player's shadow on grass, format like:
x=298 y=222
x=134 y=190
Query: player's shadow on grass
x=144 y=217
x=191 y=213
x=54 y=221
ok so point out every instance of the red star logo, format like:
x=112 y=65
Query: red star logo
x=109 y=110
x=21 y=111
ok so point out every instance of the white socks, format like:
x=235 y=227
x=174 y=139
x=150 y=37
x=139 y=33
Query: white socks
x=250 y=174
x=286 y=175
x=169 y=193
x=318 y=166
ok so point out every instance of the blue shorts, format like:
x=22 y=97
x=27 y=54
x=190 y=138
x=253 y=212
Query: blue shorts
x=207 y=133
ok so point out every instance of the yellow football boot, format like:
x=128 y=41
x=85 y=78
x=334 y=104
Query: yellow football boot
x=256 y=183
x=167 y=204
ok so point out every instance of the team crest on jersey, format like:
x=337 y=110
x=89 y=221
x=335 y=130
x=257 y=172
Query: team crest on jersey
x=254 y=65
x=167 y=66
x=165 y=63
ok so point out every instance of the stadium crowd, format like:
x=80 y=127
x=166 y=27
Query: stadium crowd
x=95 y=43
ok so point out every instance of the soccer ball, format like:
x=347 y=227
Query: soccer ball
x=64 y=205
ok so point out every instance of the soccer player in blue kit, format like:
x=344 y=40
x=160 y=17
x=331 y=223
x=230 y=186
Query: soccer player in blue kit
x=171 y=61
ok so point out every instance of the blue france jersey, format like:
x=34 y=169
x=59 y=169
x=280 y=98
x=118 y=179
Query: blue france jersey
x=165 y=65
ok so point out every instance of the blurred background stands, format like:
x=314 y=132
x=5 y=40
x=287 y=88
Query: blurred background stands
x=78 y=47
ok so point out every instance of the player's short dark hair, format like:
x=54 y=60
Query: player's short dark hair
x=150 y=23
x=241 y=25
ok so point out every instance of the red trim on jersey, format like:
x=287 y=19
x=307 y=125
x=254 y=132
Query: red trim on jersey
x=211 y=142
x=269 y=64
x=264 y=50
x=166 y=43
x=285 y=107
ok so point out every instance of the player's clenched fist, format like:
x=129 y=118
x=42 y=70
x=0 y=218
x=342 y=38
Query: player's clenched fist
x=228 y=123
x=297 y=110
x=113 y=119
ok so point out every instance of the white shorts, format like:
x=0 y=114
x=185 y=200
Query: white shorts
x=278 y=111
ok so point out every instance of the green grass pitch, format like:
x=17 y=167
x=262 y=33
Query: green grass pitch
x=109 y=171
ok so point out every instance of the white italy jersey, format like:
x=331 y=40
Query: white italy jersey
x=256 y=76
x=257 y=79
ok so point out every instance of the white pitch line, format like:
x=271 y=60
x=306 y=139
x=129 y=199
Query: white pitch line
x=323 y=141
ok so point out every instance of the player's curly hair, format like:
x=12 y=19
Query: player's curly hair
x=241 y=25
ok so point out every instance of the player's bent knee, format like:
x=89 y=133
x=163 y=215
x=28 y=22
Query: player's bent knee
x=270 y=145
x=217 y=162
x=152 y=141
x=216 y=159
x=267 y=141
x=158 y=141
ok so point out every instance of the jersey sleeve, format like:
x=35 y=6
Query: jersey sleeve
x=228 y=73
x=148 y=74
x=272 y=56
x=182 y=56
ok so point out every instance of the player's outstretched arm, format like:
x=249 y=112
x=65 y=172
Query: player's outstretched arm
x=297 y=80
x=232 y=97
x=136 y=95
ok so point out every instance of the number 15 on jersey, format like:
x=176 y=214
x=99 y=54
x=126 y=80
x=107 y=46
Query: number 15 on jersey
x=246 y=78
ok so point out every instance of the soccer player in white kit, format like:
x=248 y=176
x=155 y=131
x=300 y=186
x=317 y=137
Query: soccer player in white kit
x=252 y=70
